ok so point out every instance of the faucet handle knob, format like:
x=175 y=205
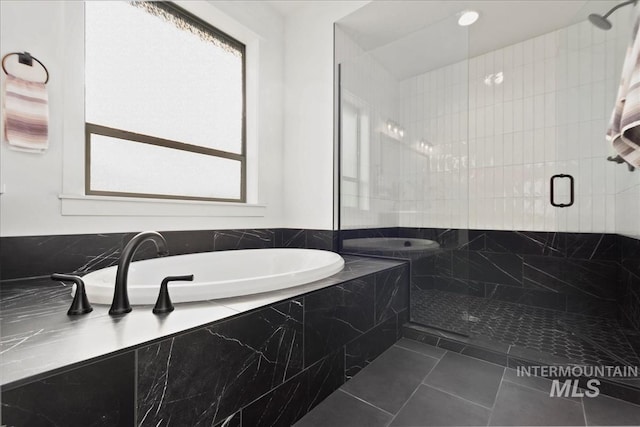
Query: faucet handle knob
x=80 y=304
x=164 y=304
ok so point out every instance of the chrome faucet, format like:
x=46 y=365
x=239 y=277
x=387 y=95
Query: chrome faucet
x=120 y=304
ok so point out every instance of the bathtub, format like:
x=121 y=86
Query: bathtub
x=220 y=274
x=391 y=244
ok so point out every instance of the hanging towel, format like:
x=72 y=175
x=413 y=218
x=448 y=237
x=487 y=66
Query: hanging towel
x=26 y=115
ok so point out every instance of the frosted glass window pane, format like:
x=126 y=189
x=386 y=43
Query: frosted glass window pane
x=118 y=165
x=146 y=75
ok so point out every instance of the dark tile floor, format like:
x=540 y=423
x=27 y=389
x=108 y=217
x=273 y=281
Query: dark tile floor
x=414 y=384
x=587 y=340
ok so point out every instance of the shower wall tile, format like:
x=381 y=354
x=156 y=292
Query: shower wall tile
x=493 y=151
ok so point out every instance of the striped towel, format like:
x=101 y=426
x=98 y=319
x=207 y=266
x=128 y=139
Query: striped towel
x=26 y=115
x=624 y=128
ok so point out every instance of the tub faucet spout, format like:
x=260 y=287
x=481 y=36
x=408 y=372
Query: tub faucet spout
x=120 y=304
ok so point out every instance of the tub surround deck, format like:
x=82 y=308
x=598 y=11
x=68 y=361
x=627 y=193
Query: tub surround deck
x=38 y=338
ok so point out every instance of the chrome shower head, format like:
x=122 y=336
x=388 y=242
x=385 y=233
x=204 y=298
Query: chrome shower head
x=601 y=21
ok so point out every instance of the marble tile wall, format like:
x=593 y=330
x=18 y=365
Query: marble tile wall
x=562 y=271
x=264 y=368
x=33 y=256
x=588 y=273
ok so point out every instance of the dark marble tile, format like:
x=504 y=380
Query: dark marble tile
x=187 y=242
x=572 y=276
x=435 y=264
x=282 y=406
x=500 y=268
x=391 y=379
x=234 y=420
x=526 y=242
x=206 y=375
x=533 y=297
x=364 y=349
x=392 y=292
x=592 y=306
x=325 y=377
x=322 y=239
x=451 y=345
x=42 y=255
x=336 y=315
x=224 y=240
x=593 y=246
x=451 y=284
x=98 y=394
x=431 y=407
x=477 y=240
x=291 y=238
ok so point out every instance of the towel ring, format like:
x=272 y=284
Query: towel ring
x=26 y=59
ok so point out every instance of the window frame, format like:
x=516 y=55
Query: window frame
x=95 y=129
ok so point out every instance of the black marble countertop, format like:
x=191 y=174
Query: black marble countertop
x=37 y=337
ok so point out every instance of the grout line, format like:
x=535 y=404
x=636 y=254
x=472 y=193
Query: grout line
x=495 y=399
x=414 y=392
x=584 y=411
x=364 y=401
x=417 y=352
x=456 y=396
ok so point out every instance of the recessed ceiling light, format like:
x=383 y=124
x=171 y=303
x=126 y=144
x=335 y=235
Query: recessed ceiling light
x=468 y=17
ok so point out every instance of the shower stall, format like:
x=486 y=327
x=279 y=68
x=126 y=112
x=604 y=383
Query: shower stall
x=479 y=154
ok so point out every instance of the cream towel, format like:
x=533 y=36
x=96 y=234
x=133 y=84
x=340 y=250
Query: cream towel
x=624 y=128
x=26 y=115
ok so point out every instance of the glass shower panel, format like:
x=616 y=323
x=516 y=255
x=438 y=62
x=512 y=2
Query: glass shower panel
x=404 y=164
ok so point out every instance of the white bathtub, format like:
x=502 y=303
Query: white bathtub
x=221 y=274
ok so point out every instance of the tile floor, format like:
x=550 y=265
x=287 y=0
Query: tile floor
x=586 y=340
x=414 y=384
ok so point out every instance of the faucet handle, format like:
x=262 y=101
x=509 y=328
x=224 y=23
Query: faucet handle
x=164 y=304
x=80 y=304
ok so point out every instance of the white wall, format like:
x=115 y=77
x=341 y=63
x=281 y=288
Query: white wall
x=32 y=183
x=308 y=152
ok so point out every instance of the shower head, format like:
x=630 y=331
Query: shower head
x=601 y=21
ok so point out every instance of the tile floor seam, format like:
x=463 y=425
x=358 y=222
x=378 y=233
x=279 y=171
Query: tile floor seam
x=456 y=396
x=364 y=401
x=495 y=400
x=414 y=392
x=414 y=351
x=584 y=411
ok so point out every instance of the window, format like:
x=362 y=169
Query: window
x=164 y=104
x=355 y=152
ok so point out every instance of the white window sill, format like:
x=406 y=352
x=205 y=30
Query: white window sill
x=73 y=205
